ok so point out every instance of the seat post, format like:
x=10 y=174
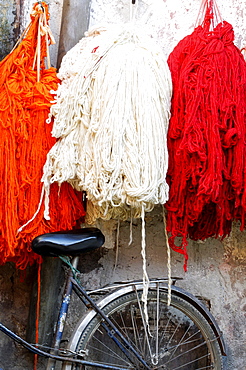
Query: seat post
x=62 y=314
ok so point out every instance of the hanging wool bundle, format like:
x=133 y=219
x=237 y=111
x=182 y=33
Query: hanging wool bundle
x=111 y=116
x=206 y=138
x=25 y=97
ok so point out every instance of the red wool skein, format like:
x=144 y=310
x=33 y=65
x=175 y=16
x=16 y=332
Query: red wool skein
x=206 y=137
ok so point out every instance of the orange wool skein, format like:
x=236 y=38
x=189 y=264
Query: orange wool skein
x=25 y=86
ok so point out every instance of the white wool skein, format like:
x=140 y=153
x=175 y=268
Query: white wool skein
x=111 y=119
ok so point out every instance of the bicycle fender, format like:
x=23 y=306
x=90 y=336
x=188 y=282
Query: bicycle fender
x=138 y=285
x=195 y=302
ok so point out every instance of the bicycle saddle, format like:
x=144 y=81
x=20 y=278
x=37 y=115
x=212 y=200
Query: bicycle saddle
x=68 y=243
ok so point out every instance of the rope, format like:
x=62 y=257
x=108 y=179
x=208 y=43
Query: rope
x=145 y=274
x=208 y=9
x=131 y=231
x=169 y=295
x=35 y=214
x=117 y=245
x=75 y=271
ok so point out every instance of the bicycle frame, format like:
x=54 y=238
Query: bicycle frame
x=72 y=284
x=39 y=352
x=111 y=329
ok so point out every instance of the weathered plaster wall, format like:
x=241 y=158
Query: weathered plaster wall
x=15 y=294
x=217 y=269
x=169 y=20
x=9 y=24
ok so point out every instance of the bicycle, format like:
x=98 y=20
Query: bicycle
x=115 y=333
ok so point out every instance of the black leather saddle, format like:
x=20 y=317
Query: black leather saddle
x=68 y=243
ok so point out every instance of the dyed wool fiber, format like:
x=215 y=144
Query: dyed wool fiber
x=25 y=140
x=206 y=137
x=111 y=115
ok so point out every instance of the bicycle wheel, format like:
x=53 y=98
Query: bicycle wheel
x=176 y=337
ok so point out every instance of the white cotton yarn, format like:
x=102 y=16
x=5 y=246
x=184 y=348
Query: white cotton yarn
x=111 y=117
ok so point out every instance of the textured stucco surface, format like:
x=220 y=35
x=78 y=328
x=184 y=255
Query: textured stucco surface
x=8 y=17
x=169 y=21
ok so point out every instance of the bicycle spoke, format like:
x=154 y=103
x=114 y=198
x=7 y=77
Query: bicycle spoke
x=136 y=332
x=191 y=362
x=155 y=359
x=187 y=341
x=189 y=351
x=169 y=341
x=165 y=330
x=124 y=328
x=145 y=325
x=107 y=351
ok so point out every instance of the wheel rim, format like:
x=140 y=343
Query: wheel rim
x=177 y=342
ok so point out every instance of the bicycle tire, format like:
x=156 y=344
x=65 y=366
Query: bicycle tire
x=185 y=338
